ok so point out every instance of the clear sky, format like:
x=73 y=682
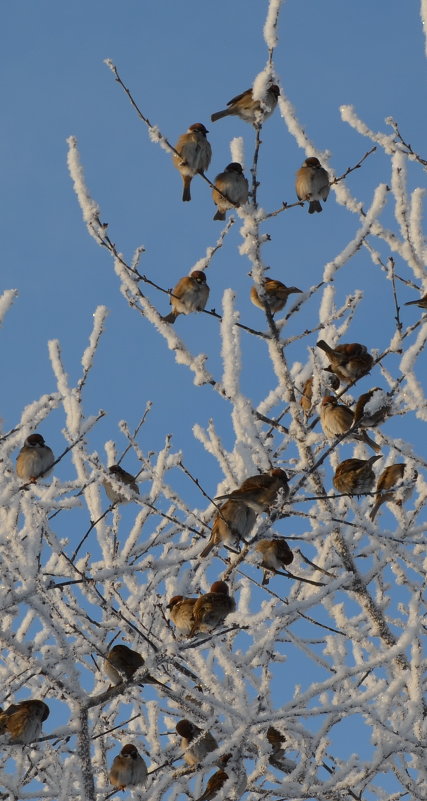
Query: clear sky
x=182 y=62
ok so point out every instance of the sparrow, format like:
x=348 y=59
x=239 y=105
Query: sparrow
x=348 y=361
x=276 y=554
x=122 y=477
x=194 y=157
x=34 y=459
x=218 y=779
x=392 y=475
x=233 y=184
x=306 y=401
x=421 y=302
x=195 y=743
x=248 y=109
x=336 y=419
x=22 y=722
x=128 y=768
x=181 y=612
x=121 y=663
x=312 y=183
x=276 y=295
x=372 y=408
x=211 y=609
x=189 y=295
x=355 y=476
x=260 y=492
x=232 y=522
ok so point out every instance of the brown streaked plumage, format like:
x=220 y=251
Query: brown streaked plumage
x=348 y=361
x=337 y=419
x=195 y=154
x=232 y=523
x=312 y=184
x=355 y=476
x=122 y=477
x=233 y=189
x=34 y=459
x=211 y=609
x=248 y=109
x=181 y=612
x=121 y=663
x=22 y=722
x=276 y=295
x=276 y=554
x=260 y=492
x=128 y=768
x=195 y=743
x=189 y=295
x=392 y=475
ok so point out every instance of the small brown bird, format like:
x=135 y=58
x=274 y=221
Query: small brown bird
x=21 y=723
x=181 y=612
x=195 y=742
x=348 y=361
x=218 y=779
x=189 y=295
x=355 y=476
x=248 y=109
x=421 y=302
x=277 y=758
x=336 y=419
x=312 y=183
x=122 y=477
x=232 y=522
x=260 y=492
x=392 y=475
x=195 y=155
x=34 y=459
x=306 y=401
x=121 y=663
x=233 y=184
x=211 y=609
x=276 y=295
x=372 y=408
x=128 y=768
x=276 y=554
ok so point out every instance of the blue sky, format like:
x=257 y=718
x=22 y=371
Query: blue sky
x=182 y=62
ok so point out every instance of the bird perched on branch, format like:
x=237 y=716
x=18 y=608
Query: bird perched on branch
x=277 y=758
x=337 y=419
x=421 y=302
x=312 y=184
x=260 y=492
x=392 y=475
x=276 y=554
x=181 y=612
x=34 y=459
x=189 y=295
x=355 y=476
x=248 y=109
x=276 y=295
x=194 y=157
x=348 y=361
x=122 y=477
x=233 y=189
x=121 y=663
x=21 y=723
x=218 y=779
x=128 y=768
x=211 y=609
x=232 y=522
x=195 y=742
x=306 y=401
x=372 y=408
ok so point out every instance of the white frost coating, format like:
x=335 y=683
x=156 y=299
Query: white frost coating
x=387 y=141
x=90 y=209
x=261 y=84
x=157 y=137
x=6 y=300
x=237 y=149
x=423 y=13
x=327 y=306
x=376 y=208
x=270 y=25
x=416 y=232
x=204 y=262
x=230 y=349
x=98 y=323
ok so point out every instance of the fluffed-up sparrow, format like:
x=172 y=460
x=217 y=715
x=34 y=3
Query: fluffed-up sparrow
x=260 y=492
x=122 y=477
x=392 y=475
x=195 y=743
x=128 y=768
x=211 y=609
x=181 y=612
x=218 y=779
x=355 y=476
x=189 y=295
x=276 y=554
x=195 y=154
x=336 y=419
x=372 y=408
x=34 y=459
x=22 y=722
x=232 y=522
x=348 y=361
x=233 y=189
x=276 y=295
x=121 y=663
x=312 y=184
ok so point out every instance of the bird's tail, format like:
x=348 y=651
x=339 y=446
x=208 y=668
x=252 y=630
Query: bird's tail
x=186 y=195
x=314 y=206
x=170 y=318
x=220 y=215
x=206 y=551
x=219 y=114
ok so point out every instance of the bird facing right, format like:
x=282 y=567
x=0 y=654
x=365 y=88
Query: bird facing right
x=211 y=609
x=22 y=722
x=248 y=109
x=233 y=189
x=276 y=295
x=194 y=157
x=34 y=459
x=128 y=768
x=312 y=184
x=181 y=613
x=355 y=476
x=189 y=295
